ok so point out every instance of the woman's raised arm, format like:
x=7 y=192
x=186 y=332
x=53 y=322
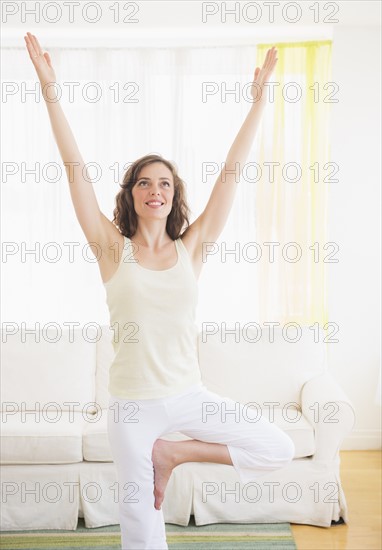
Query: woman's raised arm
x=94 y=224
x=208 y=226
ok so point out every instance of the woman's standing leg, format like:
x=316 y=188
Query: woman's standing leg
x=133 y=426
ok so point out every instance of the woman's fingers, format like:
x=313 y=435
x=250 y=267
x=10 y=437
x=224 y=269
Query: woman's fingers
x=271 y=54
x=268 y=66
x=41 y=60
x=31 y=49
x=33 y=45
x=37 y=45
x=266 y=59
x=270 y=60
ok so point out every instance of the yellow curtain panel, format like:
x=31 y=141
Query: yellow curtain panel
x=292 y=194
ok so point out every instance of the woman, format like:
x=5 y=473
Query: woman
x=151 y=285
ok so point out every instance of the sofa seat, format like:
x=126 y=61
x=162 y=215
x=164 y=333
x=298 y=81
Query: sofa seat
x=24 y=440
x=96 y=445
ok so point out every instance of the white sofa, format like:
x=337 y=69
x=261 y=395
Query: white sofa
x=56 y=461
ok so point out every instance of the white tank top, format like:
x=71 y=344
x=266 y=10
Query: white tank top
x=155 y=337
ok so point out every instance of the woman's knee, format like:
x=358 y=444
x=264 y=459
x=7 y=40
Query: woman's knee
x=284 y=451
x=276 y=453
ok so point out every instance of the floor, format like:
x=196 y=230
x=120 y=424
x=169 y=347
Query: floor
x=361 y=482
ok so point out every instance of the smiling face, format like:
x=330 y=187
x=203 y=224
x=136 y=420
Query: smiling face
x=153 y=191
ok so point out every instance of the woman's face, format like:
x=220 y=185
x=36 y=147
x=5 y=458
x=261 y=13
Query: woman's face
x=155 y=184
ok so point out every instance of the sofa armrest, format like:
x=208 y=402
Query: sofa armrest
x=329 y=411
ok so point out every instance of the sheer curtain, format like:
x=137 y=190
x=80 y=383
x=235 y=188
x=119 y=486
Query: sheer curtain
x=292 y=201
x=149 y=100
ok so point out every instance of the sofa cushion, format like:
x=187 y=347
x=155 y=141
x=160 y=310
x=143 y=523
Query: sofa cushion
x=47 y=371
x=96 y=446
x=268 y=370
x=41 y=438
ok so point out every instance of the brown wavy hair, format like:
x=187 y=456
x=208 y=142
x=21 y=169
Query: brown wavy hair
x=125 y=217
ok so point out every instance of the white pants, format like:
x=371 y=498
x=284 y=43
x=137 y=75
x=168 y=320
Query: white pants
x=134 y=425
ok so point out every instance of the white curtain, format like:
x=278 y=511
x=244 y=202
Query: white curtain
x=162 y=111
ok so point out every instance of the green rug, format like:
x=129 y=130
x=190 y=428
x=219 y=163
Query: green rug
x=217 y=536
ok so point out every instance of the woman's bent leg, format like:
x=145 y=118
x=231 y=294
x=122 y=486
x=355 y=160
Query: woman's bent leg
x=133 y=426
x=256 y=445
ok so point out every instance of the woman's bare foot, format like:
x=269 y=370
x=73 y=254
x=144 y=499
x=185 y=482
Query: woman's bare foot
x=168 y=454
x=164 y=463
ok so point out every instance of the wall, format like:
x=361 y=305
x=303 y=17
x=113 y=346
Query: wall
x=354 y=223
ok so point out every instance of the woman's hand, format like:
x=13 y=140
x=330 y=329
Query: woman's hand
x=41 y=61
x=262 y=76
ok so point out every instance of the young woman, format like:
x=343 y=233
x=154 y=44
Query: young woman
x=155 y=384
